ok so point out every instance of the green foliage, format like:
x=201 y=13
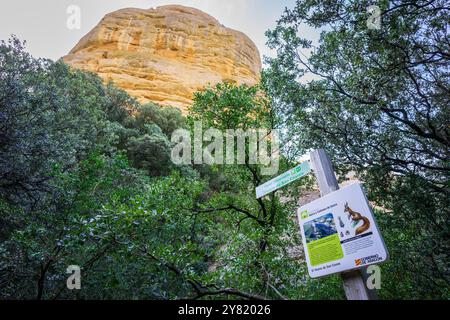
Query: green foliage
x=86 y=177
x=378 y=103
x=227 y=106
x=150 y=152
x=146 y=233
x=42 y=243
x=102 y=193
x=67 y=143
x=258 y=238
x=168 y=119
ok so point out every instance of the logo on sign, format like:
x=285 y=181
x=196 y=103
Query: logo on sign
x=304 y=214
x=367 y=260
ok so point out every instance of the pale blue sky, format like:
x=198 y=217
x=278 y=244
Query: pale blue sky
x=43 y=23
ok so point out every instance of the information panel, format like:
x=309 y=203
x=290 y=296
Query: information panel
x=339 y=233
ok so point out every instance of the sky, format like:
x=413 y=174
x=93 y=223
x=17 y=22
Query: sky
x=43 y=23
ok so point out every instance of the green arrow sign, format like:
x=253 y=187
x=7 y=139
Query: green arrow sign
x=284 y=179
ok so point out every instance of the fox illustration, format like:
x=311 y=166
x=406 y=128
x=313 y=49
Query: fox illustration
x=356 y=216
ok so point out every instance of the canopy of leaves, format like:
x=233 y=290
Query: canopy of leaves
x=86 y=179
x=379 y=104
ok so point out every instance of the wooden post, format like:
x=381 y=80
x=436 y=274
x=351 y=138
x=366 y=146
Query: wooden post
x=354 y=281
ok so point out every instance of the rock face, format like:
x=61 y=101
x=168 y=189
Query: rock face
x=166 y=54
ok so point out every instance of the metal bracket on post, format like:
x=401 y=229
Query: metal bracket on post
x=354 y=282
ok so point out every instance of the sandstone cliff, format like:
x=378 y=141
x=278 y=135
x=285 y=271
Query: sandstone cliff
x=166 y=54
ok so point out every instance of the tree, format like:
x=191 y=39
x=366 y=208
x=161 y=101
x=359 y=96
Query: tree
x=168 y=119
x=51 y=116
x=63 y=158
x=151 y=152
x=256 y=255
x=379 y=105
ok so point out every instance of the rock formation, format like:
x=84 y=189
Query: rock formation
x=166 y=54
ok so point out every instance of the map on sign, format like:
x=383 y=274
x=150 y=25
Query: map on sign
x=296 y=173
x=339 y=233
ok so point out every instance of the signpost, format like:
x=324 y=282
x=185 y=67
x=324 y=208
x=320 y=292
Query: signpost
x=294 y=174
x=354 y=280
x=339 y=231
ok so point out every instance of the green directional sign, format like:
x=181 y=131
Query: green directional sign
x=284 y=179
